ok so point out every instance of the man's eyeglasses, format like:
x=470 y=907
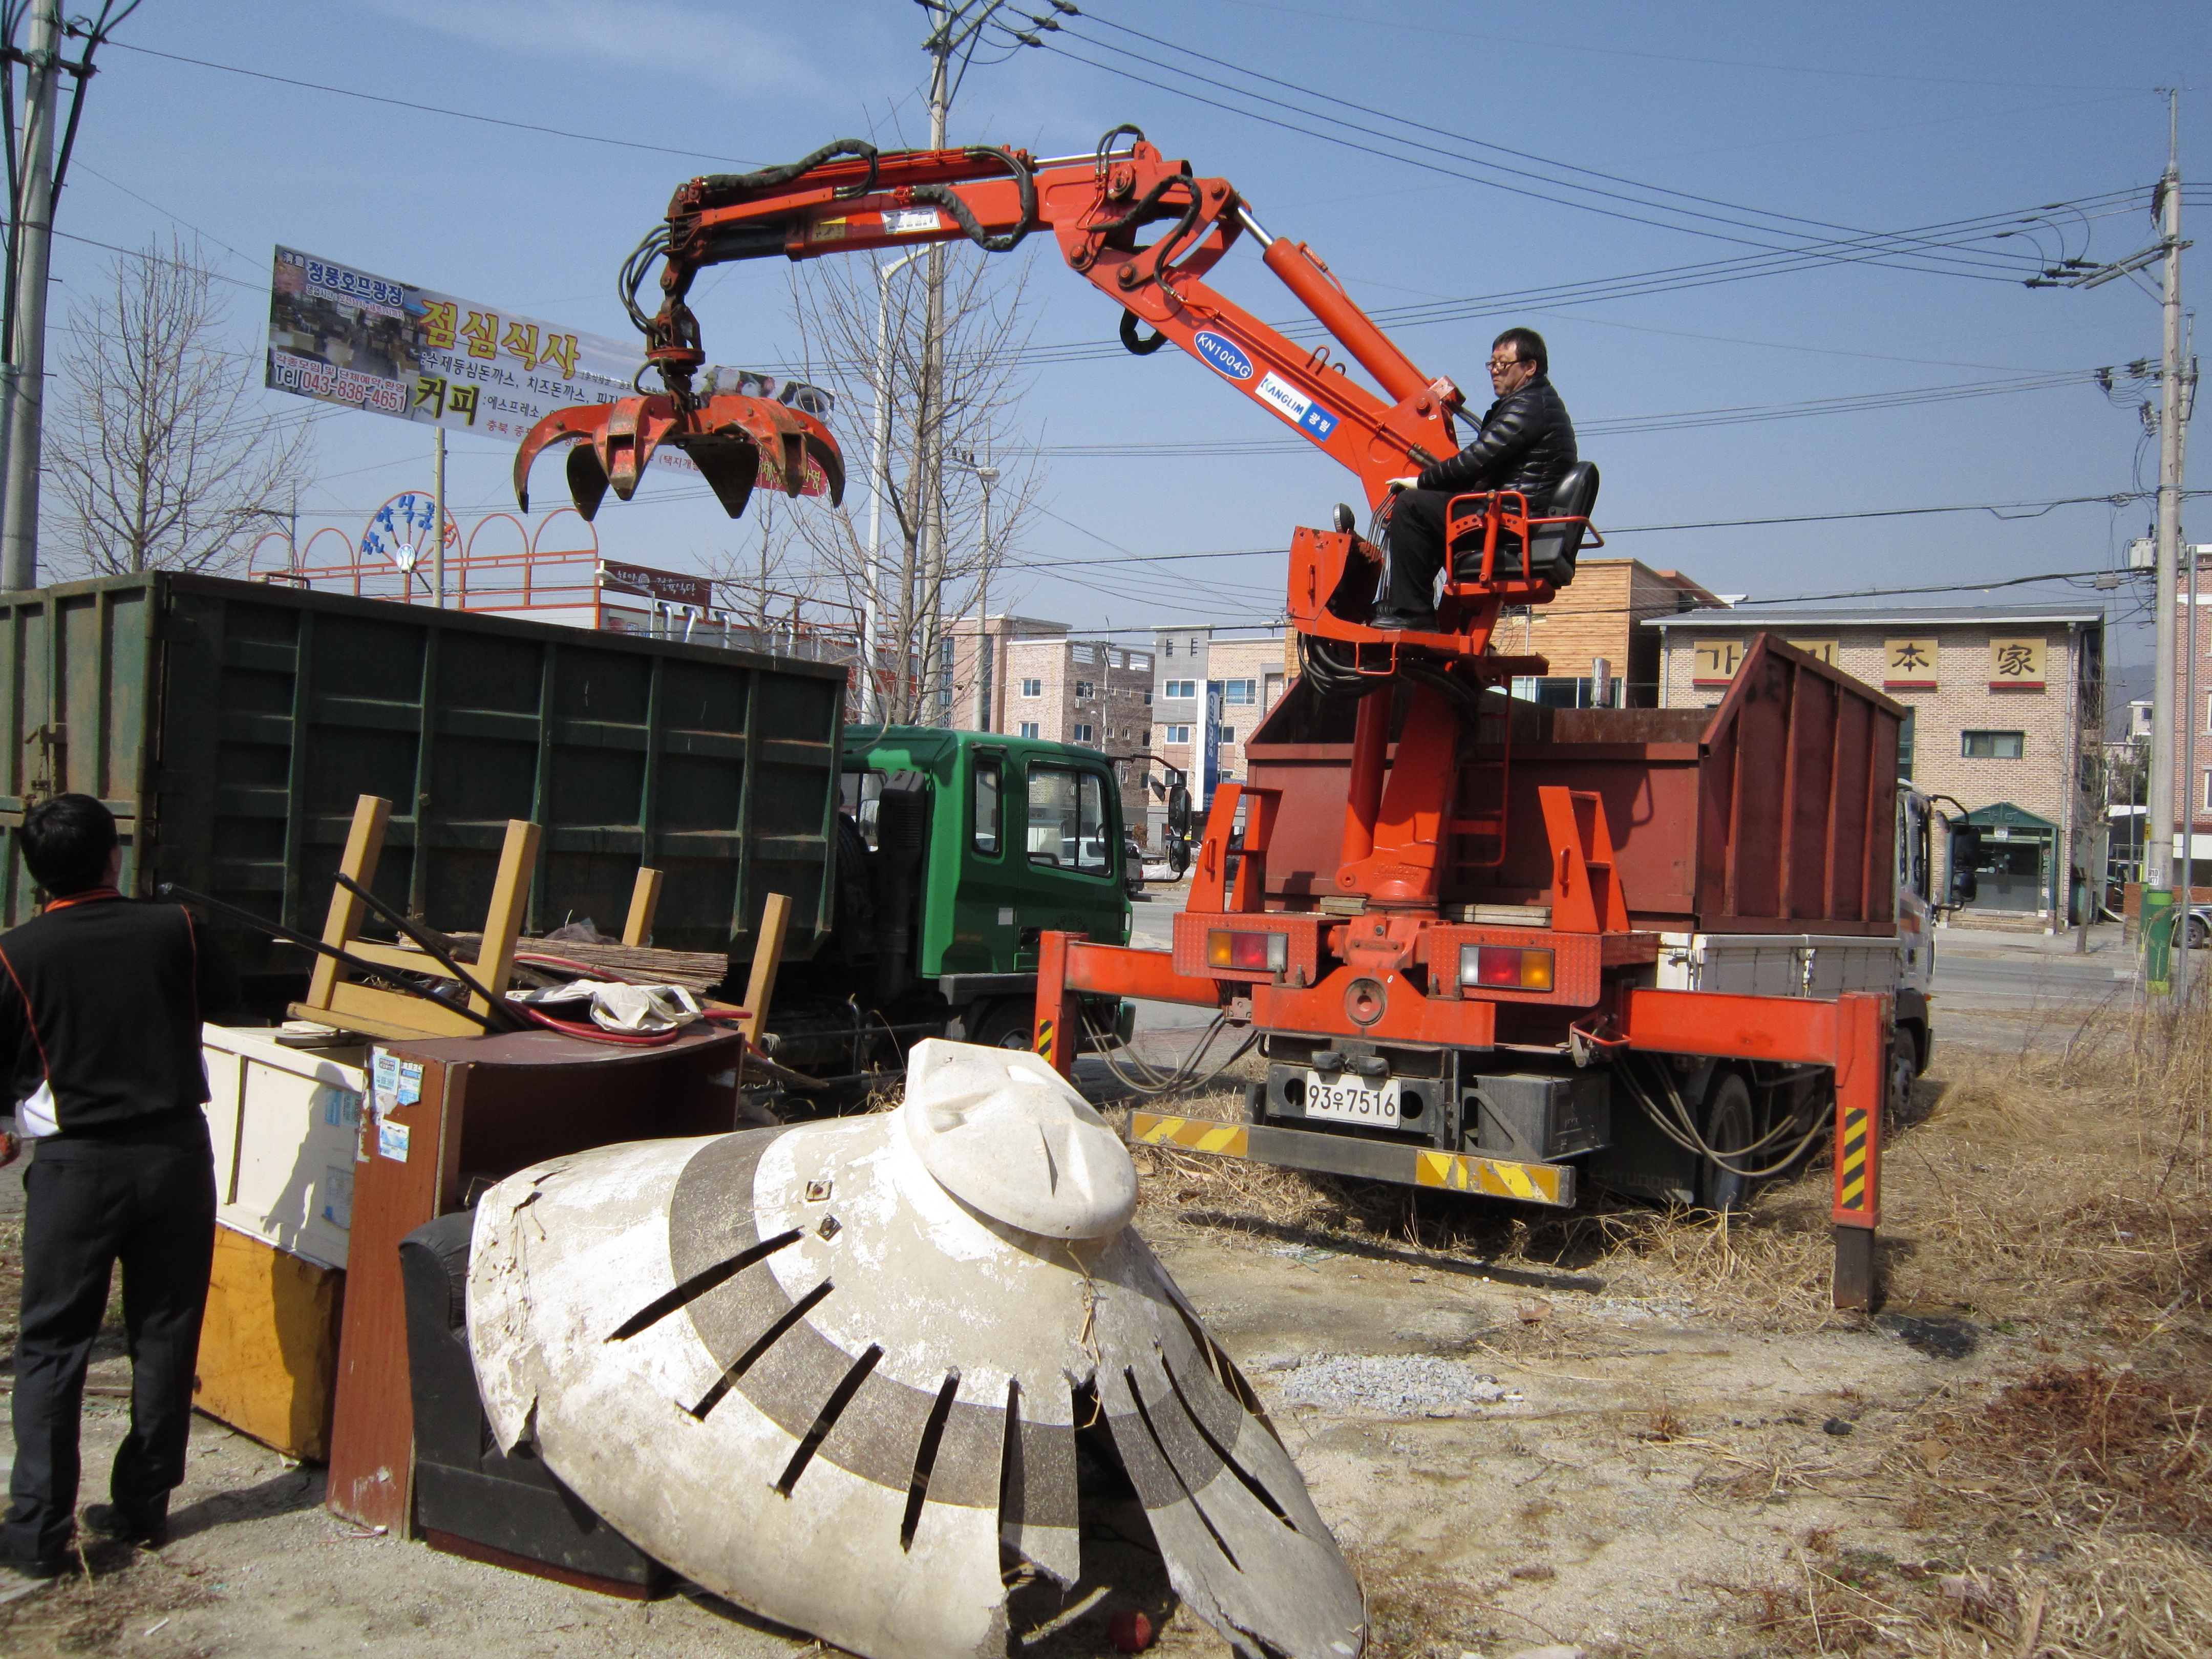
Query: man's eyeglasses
x=1497 y=363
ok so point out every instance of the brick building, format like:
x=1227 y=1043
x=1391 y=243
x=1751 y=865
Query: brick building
x=1600 y=617
x=1240 y=673
x=2192 y=786
x=2004 y=714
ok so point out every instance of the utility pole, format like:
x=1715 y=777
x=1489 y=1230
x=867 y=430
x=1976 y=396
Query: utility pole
x=959 y=27
x=2166 y=970
x=35 y=224
x=2159 y=852
x=438 y=518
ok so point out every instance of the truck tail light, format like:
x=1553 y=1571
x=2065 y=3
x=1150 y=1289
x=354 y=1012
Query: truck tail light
x=1259 y=953
x=1506 y=966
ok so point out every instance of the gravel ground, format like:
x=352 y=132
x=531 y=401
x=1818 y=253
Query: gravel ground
x=1389 y=1384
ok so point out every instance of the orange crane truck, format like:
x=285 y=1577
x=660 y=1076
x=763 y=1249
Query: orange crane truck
x=1443 y=923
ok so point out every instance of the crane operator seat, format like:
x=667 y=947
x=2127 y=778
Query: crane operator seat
x=1552 y=546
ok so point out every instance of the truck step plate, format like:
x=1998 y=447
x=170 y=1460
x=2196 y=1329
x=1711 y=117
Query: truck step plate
x=1371 y=1160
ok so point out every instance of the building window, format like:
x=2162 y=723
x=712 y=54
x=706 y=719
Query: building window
x=1083 y=733
x=1085 y=690
x=1275 y=688
x=1905 y=745
x=1033 y=688
x=1148 y=700
x=1992 y=745
x=1229 y=734
x=1178 y=733
x=987 y=774
x=2208 y=792
x=1030 y=729
x=1167 y=648
x=1181 y=689
x=1240 y=691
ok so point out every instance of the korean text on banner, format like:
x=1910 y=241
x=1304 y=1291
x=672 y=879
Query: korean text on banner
x=349 y=336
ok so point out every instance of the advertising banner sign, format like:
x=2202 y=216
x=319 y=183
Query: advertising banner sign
x=345 y=335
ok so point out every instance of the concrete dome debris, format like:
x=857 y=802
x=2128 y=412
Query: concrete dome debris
x=838 y=1372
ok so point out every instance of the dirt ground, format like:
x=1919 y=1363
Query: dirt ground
x=1692 y=1454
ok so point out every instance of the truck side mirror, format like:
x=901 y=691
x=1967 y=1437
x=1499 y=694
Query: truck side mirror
x=1966 y=852
x=1179 y=809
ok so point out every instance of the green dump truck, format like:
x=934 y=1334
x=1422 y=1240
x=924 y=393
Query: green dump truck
x=231 y=726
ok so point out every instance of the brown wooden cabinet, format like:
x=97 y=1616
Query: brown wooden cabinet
x=486 y=1107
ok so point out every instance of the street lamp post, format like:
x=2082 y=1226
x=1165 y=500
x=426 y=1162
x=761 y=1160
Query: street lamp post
x=986 y=476
x=871 y=699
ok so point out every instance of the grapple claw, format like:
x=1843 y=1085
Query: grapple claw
x=734 y=440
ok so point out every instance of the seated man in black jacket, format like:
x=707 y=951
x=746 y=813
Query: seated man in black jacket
x=100 y=1003
x=1526 y=443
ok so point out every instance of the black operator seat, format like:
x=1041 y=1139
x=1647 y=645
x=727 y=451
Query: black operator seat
x=1552 y=556
x=1553 y=546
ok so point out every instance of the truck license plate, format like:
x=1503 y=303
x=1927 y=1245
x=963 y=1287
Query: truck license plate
x=1349 y=1099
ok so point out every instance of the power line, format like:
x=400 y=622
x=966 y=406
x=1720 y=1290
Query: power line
x=1648 y=190
x=1896 y=248
x=432 y=109
x=1676 y=57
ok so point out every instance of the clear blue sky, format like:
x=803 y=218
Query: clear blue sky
x=1875 y=117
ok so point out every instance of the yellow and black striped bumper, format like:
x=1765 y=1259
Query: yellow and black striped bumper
x=1370 y=1160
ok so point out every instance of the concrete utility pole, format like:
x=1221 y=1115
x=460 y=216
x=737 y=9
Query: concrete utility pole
x=959 y=27
x=35 y=216
x=2158 y=850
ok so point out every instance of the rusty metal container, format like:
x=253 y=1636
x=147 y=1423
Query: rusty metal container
x=1774 y=813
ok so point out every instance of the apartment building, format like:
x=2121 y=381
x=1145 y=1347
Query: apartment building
x=1035 y=680
x=1211 y=686
x=2004 y=713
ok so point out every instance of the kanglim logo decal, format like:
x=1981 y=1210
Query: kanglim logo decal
x=1224 y=354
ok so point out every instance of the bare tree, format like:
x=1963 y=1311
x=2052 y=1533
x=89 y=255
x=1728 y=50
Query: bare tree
x=161 y=455
x=961 y=401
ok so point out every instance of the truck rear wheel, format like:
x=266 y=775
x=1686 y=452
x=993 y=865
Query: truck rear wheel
x=1731 y=1125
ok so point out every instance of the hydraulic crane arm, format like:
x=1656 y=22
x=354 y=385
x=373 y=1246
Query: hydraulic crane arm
x=849 y=198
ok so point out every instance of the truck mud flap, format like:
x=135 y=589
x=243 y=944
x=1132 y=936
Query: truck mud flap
x=1550 y=1184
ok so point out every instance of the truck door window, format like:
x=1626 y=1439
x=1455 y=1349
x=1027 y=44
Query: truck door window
x=1067 y=820
x=858 y=794
x=989 y=775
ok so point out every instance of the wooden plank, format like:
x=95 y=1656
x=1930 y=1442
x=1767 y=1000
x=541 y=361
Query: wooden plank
x=364 y=847
x=412 y=1016
x=644 y=904
x=269 y=1345
x=767 y=957
x=510 y=896
x=372 y=1469
x=409 y=958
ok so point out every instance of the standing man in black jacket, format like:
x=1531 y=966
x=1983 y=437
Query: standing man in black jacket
x=100 y=1003
x=1526 y=443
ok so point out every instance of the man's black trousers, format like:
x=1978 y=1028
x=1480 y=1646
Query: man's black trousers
x=1416 y=542
x=144 y=1198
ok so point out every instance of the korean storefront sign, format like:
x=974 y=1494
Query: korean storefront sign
x=2016 y=664
x=346 y=335
x=1910 y=663
x=1714 y=661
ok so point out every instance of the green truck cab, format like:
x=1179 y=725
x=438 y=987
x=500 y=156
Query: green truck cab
x=977 y=843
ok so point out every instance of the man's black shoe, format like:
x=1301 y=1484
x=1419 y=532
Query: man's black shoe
x=149 y=1527
x=1399 y=622
x=64 y=1564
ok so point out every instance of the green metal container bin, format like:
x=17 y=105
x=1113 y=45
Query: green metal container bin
x=231 y=726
